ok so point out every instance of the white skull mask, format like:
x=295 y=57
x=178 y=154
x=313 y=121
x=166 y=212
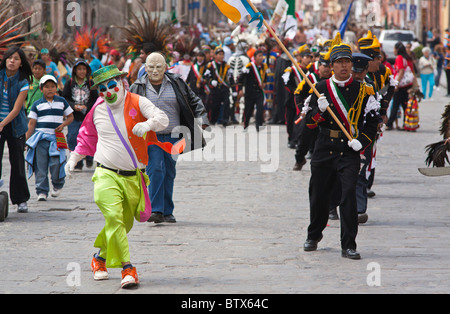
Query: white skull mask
x=156 y=66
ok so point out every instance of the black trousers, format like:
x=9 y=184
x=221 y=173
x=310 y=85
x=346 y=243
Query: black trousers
x=400 y=99
x=305 y=139
x=291 y=113
x=252 y=100
x=18 y=184
x=324 y=175
x=220 y=96
x=447 y=74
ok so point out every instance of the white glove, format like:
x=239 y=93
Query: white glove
x=71 y=163
x=141 y=128
x=323 y=103
x=214 y=83
x=355 y=145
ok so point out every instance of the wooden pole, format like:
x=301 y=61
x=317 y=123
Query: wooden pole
x=283 y=47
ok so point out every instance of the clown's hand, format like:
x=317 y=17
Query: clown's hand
x=141 y=128
x=71 y=163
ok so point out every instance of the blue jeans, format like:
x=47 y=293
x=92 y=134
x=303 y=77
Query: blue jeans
x=161 y=171
x=425 y=79
x=42 y=163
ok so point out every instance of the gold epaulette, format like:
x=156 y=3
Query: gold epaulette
x=288 y=70
x=300 y=87
x=370 y=90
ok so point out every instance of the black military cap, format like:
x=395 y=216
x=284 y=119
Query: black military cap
x=360 y=62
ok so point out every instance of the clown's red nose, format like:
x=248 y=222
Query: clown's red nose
x=108 y=95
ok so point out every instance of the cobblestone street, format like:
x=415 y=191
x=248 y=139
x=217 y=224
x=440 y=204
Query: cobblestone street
x=241 y=229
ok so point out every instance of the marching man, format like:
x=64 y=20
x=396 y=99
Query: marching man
x=114 y=133
x=335 y=157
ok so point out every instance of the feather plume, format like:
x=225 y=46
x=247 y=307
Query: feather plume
x=437 y=152
x=13 y=21
x=145 y=27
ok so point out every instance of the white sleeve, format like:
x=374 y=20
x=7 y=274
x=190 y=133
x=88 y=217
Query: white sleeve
x=157 y=119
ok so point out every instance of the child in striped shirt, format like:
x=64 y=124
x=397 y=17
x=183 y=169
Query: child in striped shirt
x=45 y=118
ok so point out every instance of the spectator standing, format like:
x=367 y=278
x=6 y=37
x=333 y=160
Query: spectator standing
x=427 y=66
x=404 y=70
x=439 y=56
x=94 y=63
x=15 y=78
x=77 y=92
x=35 y=93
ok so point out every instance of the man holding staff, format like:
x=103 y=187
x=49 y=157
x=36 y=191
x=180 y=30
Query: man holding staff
x=336 y=157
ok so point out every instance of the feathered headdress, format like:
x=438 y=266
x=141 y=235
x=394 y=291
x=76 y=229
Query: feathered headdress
x=145 y=27
x=60 y=49
x=94 y=39
x=437 y=152
x=13 y=18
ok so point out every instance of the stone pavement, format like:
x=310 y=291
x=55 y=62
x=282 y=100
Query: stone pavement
x=240 y=229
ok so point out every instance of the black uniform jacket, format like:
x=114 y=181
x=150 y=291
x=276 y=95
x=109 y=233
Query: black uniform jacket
x=331 y=141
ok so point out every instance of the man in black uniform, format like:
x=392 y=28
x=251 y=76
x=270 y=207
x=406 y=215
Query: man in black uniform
x=307 y=136
x=335 y=157
x=384 y=84
x=218 y=78
x=292 y=78
x=253 y=78
x=195 y=78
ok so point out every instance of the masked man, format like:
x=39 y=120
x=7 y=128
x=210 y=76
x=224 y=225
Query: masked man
x=114 y=133
x=186 y=111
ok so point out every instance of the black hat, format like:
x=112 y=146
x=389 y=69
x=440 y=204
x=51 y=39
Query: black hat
x=360 y=62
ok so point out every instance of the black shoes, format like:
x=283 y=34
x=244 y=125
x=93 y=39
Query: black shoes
x=350 y=253
x=362 y=218
x=311 y=245
x=170 y=219
x=157 y=218
x=299 y=165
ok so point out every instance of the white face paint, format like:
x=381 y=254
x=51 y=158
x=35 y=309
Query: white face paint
x=113 y=91
x=156 y=66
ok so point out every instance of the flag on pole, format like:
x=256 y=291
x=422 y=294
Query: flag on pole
x=344 y=23
x=291 y=20
x=236 y=10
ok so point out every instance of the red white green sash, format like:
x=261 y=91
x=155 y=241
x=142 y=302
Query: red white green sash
x=257 y=75
x=339 y=102
x=219 y=77
x=199 y=76
x=297 y=73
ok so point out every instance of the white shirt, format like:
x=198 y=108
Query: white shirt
x=110 y=150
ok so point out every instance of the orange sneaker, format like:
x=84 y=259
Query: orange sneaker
x=129 y=278
x=99 y=269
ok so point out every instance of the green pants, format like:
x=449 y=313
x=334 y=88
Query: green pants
x=120 y=199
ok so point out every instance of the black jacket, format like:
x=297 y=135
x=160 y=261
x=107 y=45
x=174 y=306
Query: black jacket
x=193 y=113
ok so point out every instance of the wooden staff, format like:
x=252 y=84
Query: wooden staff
x=274 y=35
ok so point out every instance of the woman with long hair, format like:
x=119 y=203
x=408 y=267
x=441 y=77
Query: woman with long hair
x=15 y=77
x=405 y=76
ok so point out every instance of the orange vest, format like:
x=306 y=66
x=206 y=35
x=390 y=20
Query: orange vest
x=133 y=116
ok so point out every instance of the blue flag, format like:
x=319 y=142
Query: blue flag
x=343 y=26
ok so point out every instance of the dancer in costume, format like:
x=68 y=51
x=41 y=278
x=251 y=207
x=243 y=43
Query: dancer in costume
x=114 y=132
